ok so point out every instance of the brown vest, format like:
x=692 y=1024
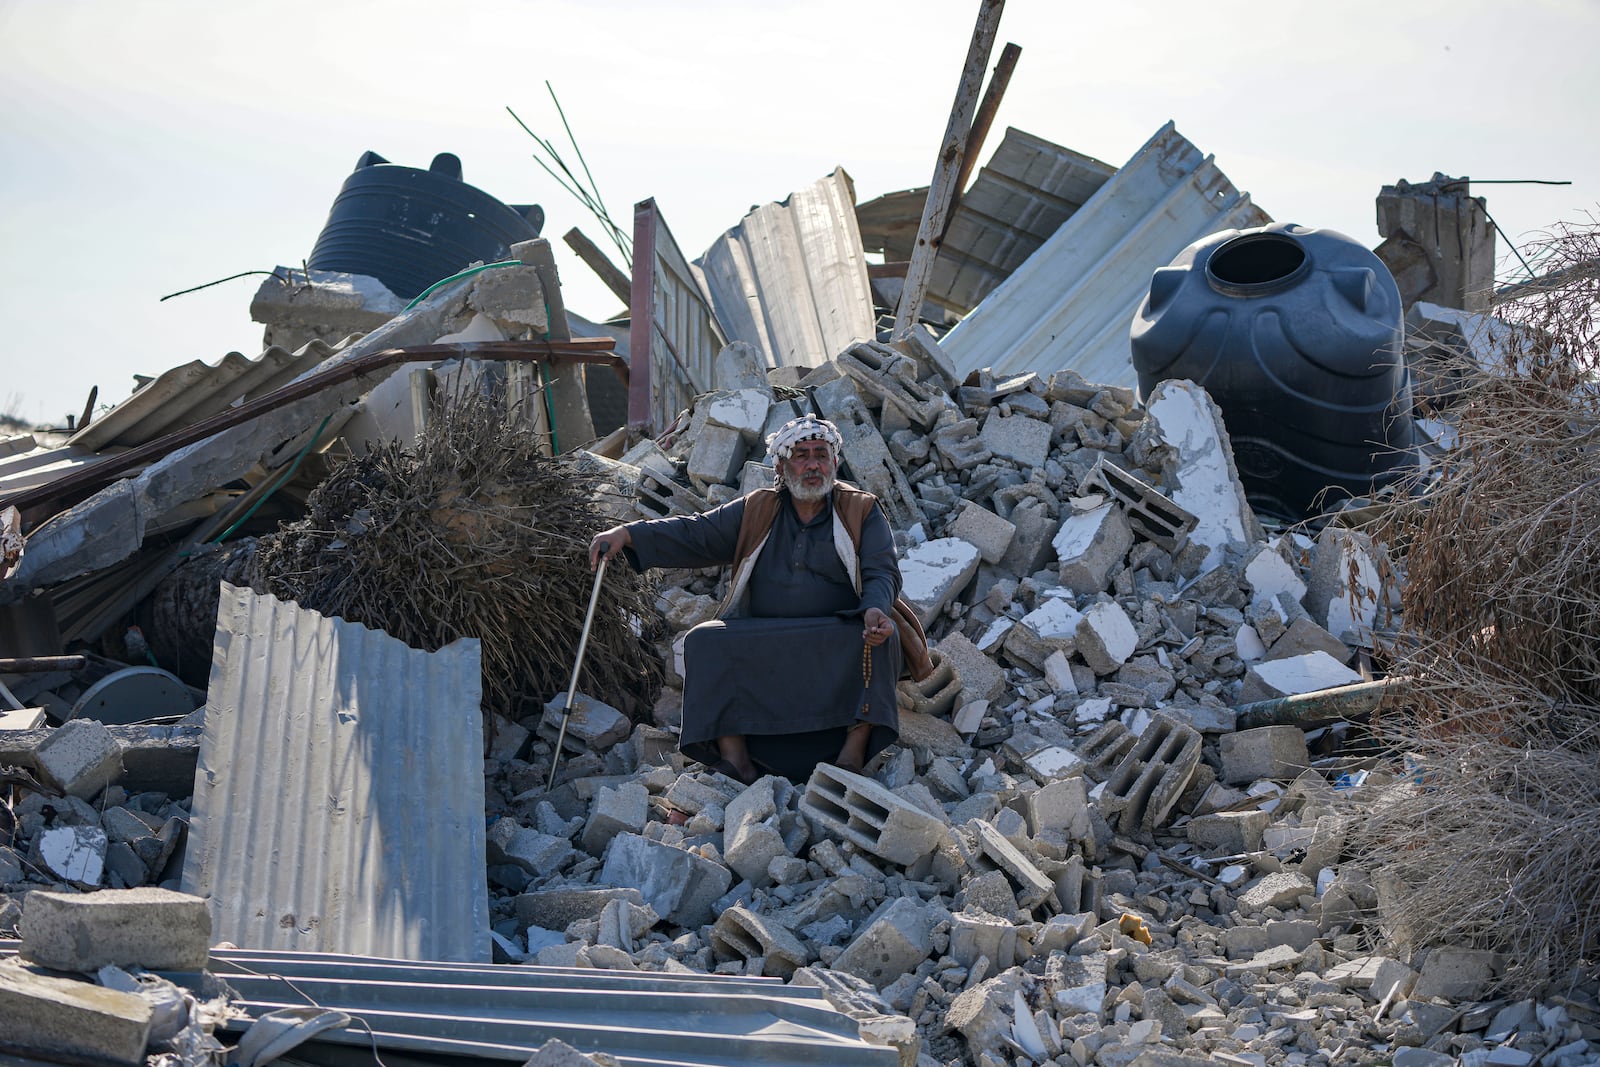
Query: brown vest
x=851 y=506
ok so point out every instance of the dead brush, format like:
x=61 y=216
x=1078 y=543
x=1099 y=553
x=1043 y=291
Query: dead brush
x=1498 y=843
x=472 y=534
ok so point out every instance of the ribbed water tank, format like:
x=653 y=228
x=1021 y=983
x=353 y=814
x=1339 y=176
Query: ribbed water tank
x=409 y=228
x=1296 y=334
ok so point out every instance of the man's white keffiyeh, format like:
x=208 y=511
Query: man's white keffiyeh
x=806 y=428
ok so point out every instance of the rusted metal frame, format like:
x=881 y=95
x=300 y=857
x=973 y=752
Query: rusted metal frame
x=642 y=313
x=981 y=124
x=1343 y=703
x=89 y=479
x=946 y=167
x=41 y=664
x=608 y=272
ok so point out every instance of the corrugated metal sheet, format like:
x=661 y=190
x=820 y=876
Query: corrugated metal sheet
x=504 y=1013
x=1029 y=188
x=644 y=1019
x=194 y=391
x=672 y=320
x=338 y=800
x=1023 y=196
x=791 y=278
x=1071 y=303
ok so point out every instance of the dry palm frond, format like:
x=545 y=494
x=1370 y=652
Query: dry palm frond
x=472 y=534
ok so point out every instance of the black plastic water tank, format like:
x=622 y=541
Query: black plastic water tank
x=1296 y=335
x=409 y=228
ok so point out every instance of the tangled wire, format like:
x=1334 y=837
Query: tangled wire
x=474 y=533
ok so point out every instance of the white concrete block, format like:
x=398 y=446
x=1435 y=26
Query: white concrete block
x=1267 y=573
x=1294 y=675
x=74 y=853
x=1105 y=637
x=744 y=410
x=1058 y=673
x=1205 y=479
x=934 y=572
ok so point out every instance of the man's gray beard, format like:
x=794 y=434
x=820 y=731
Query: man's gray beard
x=799 y=491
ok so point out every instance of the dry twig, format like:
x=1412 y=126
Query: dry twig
x=1498 y=842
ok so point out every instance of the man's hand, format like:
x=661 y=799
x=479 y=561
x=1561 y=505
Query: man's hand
x=878 y=627
x=612 y=541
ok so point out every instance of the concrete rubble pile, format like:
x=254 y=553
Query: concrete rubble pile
x=1073 y=855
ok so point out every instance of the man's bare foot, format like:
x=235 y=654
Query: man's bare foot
x=745 y=775
x=853 y=756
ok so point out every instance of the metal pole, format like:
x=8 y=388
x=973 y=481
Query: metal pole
x=583 y=643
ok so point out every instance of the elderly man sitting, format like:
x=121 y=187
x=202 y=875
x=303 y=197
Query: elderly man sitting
x=802 y=664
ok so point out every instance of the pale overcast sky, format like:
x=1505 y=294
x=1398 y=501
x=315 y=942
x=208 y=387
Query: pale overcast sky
x=152 y=146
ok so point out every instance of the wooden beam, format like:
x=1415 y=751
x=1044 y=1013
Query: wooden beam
x=981 y=124
x=947 y=166
x=642 y=317
x=893 y=269
x=608 y=271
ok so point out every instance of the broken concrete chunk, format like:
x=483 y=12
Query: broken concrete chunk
x=80 y=757
x=1105 y=637
x=933 y=572
x=892 y=941
x=983 y=529
x=1344 y=588
x=537 y=853
x=680 y=885
x=593 y=726
x=1268 y=572
x=1051 y=627
x=1141 y=792
x=854 y=808
x=741 y=934
x=1293 y=675
x=1089 y=544
x=981 y=677
x=977 y=934
x=74 y=854
x=1303 y=636
x=994 y=853
x=717 y=456
x=1455 y=974
x=624 y=809
x=512 y=295
x=1281 y=890
x=1152 y=515
x=1023 y=440
x=892 y=377
x=1185 y=428
x=752 y=835
x=152 y=928
x=63 y=1020
x=1265 y=752
x=557 y=909
x=1228 y=832
x=742 y=410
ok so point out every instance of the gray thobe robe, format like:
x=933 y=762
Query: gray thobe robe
x=789 y=675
